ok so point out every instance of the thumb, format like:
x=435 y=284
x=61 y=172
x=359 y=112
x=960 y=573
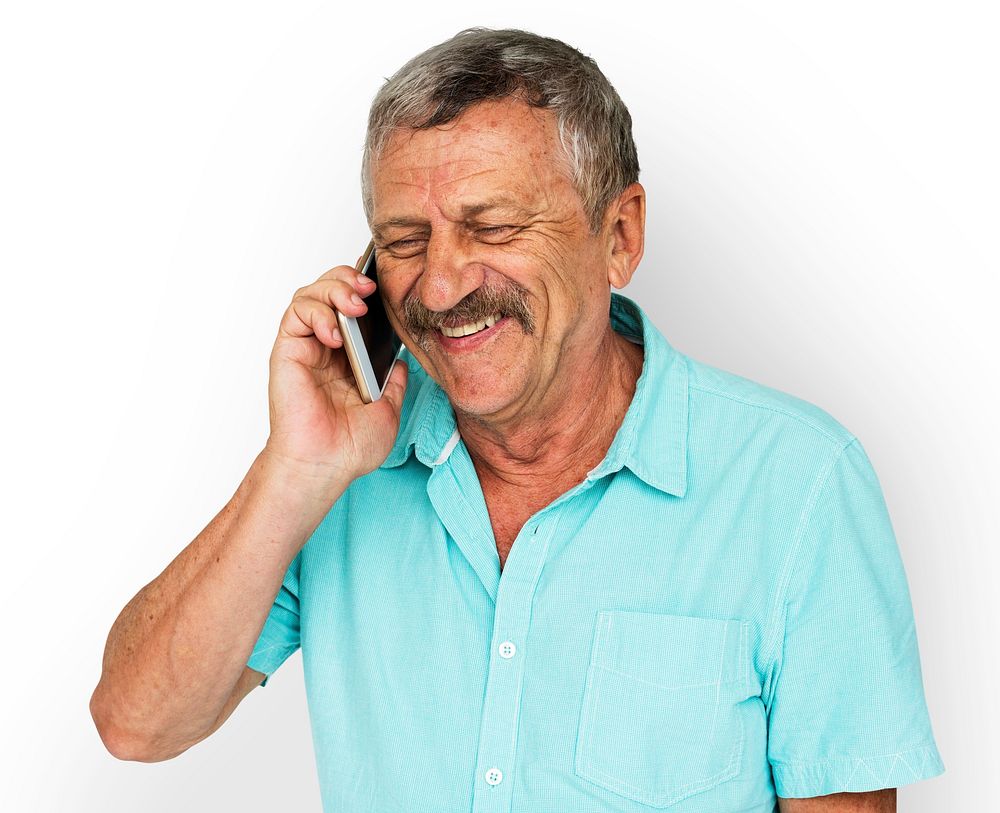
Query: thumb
x=395 y=387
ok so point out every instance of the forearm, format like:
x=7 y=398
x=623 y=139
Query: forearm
x=179 y=646
x=876 y=801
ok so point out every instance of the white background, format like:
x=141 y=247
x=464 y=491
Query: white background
x=822 y=217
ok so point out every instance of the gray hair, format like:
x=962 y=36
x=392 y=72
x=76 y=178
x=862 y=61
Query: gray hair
x=477 y=64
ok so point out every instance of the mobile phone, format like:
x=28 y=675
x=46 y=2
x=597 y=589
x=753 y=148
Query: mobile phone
x=370 y=341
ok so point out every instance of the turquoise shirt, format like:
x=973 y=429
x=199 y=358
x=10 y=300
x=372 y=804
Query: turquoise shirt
x=718 y=614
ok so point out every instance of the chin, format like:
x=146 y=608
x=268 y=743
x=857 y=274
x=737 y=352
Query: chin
x=483 y=393
x=478 y=398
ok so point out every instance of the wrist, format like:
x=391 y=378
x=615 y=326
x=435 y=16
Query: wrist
x=301 y=479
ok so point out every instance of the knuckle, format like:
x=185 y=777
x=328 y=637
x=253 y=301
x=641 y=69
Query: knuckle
x=338 y=291
x=304 y=310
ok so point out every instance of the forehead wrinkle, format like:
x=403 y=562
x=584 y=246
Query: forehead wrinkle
x=427 y=176
x=438 y=157
x=446 y=182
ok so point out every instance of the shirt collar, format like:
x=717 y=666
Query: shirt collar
x=651 y=441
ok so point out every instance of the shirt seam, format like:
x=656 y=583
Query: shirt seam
x=774 y=641
x=787 y=412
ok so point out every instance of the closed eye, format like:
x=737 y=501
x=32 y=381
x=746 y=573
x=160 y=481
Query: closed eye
x=407 y=248
x=494 y=231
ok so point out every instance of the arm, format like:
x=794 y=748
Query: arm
x=876 y=801
x=846 y=708
x=174 y=666
x=175 y=662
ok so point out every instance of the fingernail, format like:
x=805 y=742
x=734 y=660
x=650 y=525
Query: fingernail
x=356 y=299
x=363 y=280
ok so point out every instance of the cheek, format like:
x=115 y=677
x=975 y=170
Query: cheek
x=396 y=280
x=529 y=260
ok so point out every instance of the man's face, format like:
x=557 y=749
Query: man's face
x=477 y=219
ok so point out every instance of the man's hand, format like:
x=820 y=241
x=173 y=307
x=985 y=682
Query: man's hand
x=876 y=801
x=320 y=427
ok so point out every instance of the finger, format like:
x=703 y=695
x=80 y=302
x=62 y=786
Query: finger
x=337 y=293
x=309 y=317
x=361 y=283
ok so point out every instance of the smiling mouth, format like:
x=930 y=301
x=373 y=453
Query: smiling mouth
x=471 y=327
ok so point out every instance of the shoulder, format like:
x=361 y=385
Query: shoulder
x=723 y=398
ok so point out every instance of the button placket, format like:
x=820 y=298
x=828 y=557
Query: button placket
x=502 y=702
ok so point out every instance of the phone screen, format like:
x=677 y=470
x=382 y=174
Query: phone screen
x=380 y=339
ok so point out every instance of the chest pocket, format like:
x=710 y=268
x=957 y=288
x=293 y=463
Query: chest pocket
x=659 y=721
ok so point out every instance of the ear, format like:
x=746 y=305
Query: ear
x=625 y=227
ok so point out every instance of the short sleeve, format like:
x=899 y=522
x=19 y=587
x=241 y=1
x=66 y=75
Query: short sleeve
x=846 y=710
x=279 y=636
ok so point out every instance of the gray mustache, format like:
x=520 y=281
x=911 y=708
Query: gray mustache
x=509 y=300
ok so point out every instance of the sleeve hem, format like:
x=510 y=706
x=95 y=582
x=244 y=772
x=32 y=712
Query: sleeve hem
x=798 y=780
x=267 y=657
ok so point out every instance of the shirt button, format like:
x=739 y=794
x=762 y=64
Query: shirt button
x=507 y=649
x=493 y=776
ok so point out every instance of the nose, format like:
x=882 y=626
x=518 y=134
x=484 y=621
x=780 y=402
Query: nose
x=449 y=273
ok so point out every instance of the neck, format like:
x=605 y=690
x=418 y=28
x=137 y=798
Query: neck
x=557 y=445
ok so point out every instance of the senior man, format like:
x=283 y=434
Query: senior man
x=560 y=565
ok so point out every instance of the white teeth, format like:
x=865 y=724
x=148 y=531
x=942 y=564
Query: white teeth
x=471 y=327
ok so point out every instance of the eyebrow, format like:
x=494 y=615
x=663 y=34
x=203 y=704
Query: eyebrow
x=468 y=211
